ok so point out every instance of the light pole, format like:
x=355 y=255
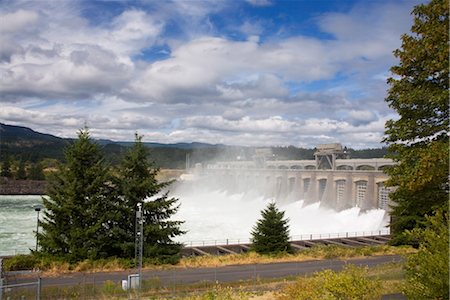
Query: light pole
x=37 y=208
x=139 y=240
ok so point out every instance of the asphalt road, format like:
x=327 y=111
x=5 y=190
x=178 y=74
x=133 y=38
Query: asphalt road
x=219 y=274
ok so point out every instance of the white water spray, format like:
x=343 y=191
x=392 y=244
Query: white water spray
x=214 y=216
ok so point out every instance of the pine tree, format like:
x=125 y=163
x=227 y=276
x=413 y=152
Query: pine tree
x=271 y=233
x=21 y=172
x=36 y=172
x=418 y=140
x=6 y=169
x=138 y=183
x=81 y=198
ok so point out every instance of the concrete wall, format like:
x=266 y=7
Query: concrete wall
x=287 y=185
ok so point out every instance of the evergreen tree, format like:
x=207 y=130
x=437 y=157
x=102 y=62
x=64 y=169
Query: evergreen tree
x=138 y=182
x=418 y=140
x=81 y=199
x=36 y=172
x=271 y=233
x=6 y=169
x=21 y=172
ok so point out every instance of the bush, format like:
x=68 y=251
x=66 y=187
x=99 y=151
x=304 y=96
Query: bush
x=352 y=283
x=427 y=271
x=21 y=262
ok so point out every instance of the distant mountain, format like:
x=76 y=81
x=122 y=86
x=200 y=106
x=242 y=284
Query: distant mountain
x=23 y=136
x=29 y=145
x=193 y=145
x=22 y=143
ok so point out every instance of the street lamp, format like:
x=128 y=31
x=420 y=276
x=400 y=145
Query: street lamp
x=37 y=208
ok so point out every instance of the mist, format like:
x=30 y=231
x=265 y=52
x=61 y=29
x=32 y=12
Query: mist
x=219 y=215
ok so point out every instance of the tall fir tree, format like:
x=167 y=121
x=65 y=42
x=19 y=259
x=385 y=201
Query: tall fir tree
x=138 y=182
x=271 y=233
x=21 y=172
x=80 y=198
x=36 y=172
x=418 y=140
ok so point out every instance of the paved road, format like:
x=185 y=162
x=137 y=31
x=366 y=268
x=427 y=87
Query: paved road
x=219 y=274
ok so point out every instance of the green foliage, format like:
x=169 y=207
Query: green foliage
x=427 y=271
x=81 y=199
x=418 y=140
x=21 y=172
x=21 y=262
x=271 y=233
x=137 y=177
x=36 y=172
x=6 y=169
x=352 y=283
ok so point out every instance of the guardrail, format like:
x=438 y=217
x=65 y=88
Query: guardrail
x=234 y=241
x=302 y=237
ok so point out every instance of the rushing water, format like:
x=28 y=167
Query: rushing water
x=18 y=221
x=218 y=217
x=210 y=217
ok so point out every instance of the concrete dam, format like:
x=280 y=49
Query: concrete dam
x=332 y=178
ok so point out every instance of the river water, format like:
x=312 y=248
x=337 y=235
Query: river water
x=211 y=217
x=18 y=221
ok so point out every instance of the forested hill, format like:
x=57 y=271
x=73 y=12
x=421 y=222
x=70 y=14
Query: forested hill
x=21 y=143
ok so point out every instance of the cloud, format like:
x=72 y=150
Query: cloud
x=361 y=117
x=17 y=21
x=260 y=2
x=62 y=66
x=71 y=60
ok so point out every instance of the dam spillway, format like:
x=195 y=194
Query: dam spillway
x=332 y=179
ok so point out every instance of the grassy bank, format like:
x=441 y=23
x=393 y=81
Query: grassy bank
x=53 y=265
x=365 y=283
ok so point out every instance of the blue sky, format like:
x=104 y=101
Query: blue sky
x=257 y=72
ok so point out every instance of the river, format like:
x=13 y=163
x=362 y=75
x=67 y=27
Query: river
x=210 y=217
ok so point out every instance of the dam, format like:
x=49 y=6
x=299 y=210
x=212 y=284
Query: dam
x=332 y=178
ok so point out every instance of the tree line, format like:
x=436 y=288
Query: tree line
x=90 y=207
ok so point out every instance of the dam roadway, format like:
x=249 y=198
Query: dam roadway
x=233 y=273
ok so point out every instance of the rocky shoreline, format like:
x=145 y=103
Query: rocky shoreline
x=22 y=187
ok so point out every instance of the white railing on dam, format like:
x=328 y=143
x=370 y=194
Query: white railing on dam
x=218 y=242
x=302 y=237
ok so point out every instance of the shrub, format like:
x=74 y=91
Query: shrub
x=352 y=283
x=427 y=271
x=21 y=262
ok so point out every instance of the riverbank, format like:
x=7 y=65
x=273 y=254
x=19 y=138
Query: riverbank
x=22 y=187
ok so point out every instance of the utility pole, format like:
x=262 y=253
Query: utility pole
x=37 y=208
x=139 y=241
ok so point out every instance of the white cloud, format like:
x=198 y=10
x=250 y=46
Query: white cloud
x=17 y=21
x=260 y=2
x=59 y=70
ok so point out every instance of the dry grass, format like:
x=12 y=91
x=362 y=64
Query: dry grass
x=315 y=253
x=55 y=267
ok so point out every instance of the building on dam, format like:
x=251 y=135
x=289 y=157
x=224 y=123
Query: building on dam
x=332 y=178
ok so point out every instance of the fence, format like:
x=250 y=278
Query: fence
x=302 y=237
x=170 y=283
x=29 y=290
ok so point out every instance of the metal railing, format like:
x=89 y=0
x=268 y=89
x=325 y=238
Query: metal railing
x=302 y=237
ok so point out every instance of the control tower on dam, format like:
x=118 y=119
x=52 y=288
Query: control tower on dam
x=332 y=178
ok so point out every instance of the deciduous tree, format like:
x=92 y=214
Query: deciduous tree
x=418 y=139
x=427 y=271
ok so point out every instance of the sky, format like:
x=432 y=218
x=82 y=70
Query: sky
x=249 y=73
